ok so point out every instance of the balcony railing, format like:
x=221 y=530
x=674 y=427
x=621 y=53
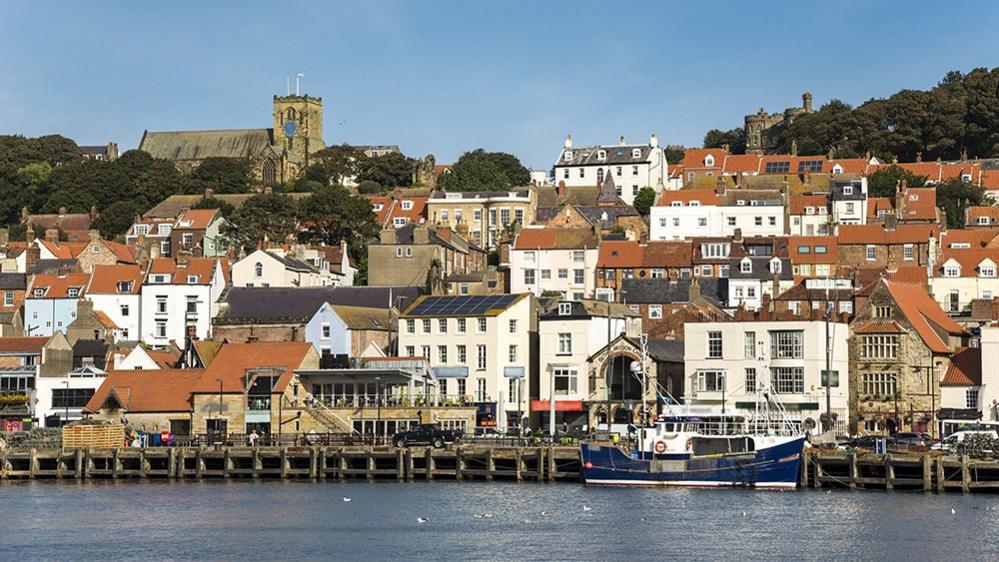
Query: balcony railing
x=396 y=401
x=258 y=403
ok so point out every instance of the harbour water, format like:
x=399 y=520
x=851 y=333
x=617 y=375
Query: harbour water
x=283 y=520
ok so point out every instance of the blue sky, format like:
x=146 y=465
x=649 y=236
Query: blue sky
x=445 y=77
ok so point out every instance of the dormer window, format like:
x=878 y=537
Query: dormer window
x=695 y=203
x=141 y=229
x=848 y=190
x=192 y=279
x=452 y=196
x=38 y=293
x=837 y=169
x=378 y=207
x=775 y=266
x=746 y=266
x=987 y=270
x=741 y=203
x=676 y=204
x=966 y=177
x=568 y=155
x=809 y=210
x=636 y=153
x=952 y=270
x=407 y=205
x=124 y=286
x=601 y=155
x=983 y=220
x=564 y=308
x=709 y=161
x=73 y=292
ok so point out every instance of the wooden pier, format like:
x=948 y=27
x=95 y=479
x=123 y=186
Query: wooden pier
x=926 y=471
x=542 y=464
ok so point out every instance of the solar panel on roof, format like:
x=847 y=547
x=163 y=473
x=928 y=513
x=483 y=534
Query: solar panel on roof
x=781 y=167
x=461 y=305
x=809 y=166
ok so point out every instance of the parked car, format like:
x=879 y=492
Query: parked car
x=954 y=439
x=426 y=434
x=868 y=442
x=914 y=439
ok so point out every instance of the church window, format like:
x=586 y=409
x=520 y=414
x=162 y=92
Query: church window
x=290 y=114
x=269 y=174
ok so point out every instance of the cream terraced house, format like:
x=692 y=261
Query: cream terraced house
x=483 y=347
x=482 y=216
x=554 y=260
x=725 y=361
x=963 y=275
x=633 y=166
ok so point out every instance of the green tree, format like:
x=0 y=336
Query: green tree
x=734 y=138
x=336 y=163
x=270 y=215
x=479 y=170
x=223 y=175
x=883 y=182
x=955 y=196
x=644 y=201
x=333 y=214
x=390 y=170
x=31 y=175
x=369 y=187
x=117 y=218
x=674 y=154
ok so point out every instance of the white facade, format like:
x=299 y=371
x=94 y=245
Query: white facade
x=136 y=359
x=683 y=220
x=814 y=223
x=566 y=343
x=485 y=358
x=956 y=286
x=571 y=272
x=172 y=309
x=275 y=268
x=988 y=394
x=723 y=361
x=632 y=166
x=87 y=379
x=125 y=310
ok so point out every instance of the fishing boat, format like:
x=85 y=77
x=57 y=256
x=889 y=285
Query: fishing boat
x=698 y=451
x=761 y=449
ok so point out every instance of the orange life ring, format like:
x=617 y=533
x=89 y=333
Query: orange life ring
x=660 y=447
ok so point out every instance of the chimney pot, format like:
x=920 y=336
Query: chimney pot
x=622 y=139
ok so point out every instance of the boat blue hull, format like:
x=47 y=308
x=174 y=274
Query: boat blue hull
x=772 y=467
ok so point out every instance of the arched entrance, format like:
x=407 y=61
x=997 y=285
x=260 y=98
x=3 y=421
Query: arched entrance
x=623 y=383
x=269 y=173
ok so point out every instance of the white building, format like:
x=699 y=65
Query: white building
x=478 y=347
x=849 y=201
x=554 y=260
x=963 y=275
x=750 y=278
x=115 y=291
x=684 y=214
x=179 y=299
x=277 y=268
x=633 y=166
x=568 y=335
x=808 y=215
x=725 y=361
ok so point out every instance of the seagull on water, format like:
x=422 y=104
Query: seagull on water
x=527 y=521
x=587 y=508
x=953 y=511
x=346 y=499
x=743 y=513
x=421 y=519
x=544 y=514
x=487 y=515
x=477 y=516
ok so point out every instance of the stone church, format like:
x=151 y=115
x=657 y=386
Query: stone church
x=276 y=155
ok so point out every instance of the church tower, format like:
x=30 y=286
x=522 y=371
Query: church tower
x=298 y=126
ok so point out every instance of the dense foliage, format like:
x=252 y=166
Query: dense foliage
x=883 y=182
x=644 y=201
x=479 y=170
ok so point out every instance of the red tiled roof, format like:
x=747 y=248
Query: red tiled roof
x=875 y=204
x=877 y=234
x=990 y=179
x=686 y=196
x=166 y=359
x=968 y=259
x=924 y=314
x=671 y=253
x=620 y=254
x=919 y=204
x=58 y=285
x=975 y=237
x=63 y=250
x=991 y=213
x=693 y=158
x=233 y=359
x=798 y=203
x=105 y=320
x=797 y=243
x=199 y=219
x=965 y=368
x=877 y=327
x=203 y=268
x=909 y=274
x=855 y=166
x=162 y=390
x=105 y=279
x=392 y=208
x=742 y=164
x=22 y=345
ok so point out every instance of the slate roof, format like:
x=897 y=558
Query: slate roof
x=642 y=291
x=363 y=318
x=298 y=304
x=615 y=154
x=555 y=239
x=198 y=145
x=587 y=308
x=52 y=266
x=13 y=281
x=670 y=351
x=760 y=268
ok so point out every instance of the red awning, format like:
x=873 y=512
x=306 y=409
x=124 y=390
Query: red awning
x=560 y=405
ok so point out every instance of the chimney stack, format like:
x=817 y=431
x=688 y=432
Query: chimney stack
x=725 y=146
x=52 y=235
x=622 y=140
x=794 y=147
x=561 y=188
x=29 y=236
x=94 y=234
x=31 y=256
x=694 y=290
x=653 y=141
x=568 y=141
x=62 y=211
x=919 y=157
